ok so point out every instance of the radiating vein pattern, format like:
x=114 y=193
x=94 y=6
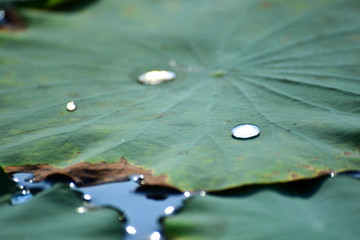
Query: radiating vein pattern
x=289 y=67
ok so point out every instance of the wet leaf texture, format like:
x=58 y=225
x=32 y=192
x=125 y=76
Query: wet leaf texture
x=289 y=67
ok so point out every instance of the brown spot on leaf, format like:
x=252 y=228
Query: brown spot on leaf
x=323 y=172
x=265 y=5
x=316 y=158
x=347 y=153
x=306 y=166
x=103 y=103
x=85 y=174
x=129 y=11
x=294 y=176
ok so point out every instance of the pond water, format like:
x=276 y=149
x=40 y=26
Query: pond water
x=139 y=205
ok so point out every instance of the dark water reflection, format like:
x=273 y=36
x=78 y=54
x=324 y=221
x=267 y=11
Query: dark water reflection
x=141 y=206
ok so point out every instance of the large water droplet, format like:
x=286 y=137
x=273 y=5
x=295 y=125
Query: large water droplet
x=156 y=77
x=71 y=106
x=245 y=131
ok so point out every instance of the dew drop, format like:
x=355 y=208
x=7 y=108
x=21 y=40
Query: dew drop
x=332 y=174
x=203 y=193
x=130 y=230
x=72 y=185
x=245 y=131
x=156 y=77
x=155 y=236
x=71 y=106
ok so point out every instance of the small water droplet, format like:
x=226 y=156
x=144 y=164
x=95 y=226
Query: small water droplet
x=15 y=179
x=156 y=77
x=72 y=185
x=71 y=106
x=187 y=194
x=81 y=210
x=155 y=236
x=87 y=197
x=245 y=131
x=169 y=210
x=332 y=174
x=130 y=230
x=203 y=193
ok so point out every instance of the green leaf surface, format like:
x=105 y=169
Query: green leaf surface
x=52 y=215
x=289 y=67
x=329 y=214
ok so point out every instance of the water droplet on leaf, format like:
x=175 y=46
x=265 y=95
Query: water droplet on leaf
x=156 y=77
x=332 y=174
x=71 y=106
x=245 y=131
